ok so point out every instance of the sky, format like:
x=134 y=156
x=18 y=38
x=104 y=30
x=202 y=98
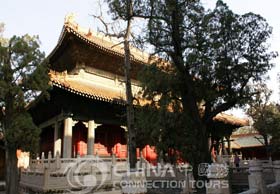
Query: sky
x=45 y=18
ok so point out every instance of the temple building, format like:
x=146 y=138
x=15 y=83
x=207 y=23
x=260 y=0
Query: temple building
x=85 y=113
x=250 y=144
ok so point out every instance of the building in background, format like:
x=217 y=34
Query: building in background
x=249 y=143
x=85 y=113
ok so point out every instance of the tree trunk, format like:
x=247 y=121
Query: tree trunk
x=129 y=97
x=12 y=173
x=129 y=110
x=200 y=133
x=229 y=146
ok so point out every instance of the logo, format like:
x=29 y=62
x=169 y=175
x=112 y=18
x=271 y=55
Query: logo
x=203 y=169
x=218 y=170
x=86 y=175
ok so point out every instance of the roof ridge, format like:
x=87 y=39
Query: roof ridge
x=100 y=39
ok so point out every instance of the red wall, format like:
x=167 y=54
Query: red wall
x=108 y=139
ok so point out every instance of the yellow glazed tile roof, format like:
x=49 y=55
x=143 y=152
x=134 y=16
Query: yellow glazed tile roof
x=99 y=40
x=87 y=89
x=109 y=45
x=230 y=119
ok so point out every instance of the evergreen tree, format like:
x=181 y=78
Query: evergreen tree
x=210 y=58
x=213 y=57
x=23 y=75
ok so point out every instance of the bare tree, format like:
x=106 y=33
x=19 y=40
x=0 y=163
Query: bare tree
x=125 y=35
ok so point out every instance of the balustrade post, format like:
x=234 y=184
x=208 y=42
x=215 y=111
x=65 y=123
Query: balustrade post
x=276 y=170
x=113 y=166
x=141 y=160
x=256 y=180
x=57 y=160
x=42 y=163
x=113 y=159
x=46 y=178
x=49 y=159
x=188 y=180
x=37 y=163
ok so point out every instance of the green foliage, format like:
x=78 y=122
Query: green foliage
x=214 y=56
x=118 y=8
x=23 y=133
x=162 y=123
x=267 y=120
x=223 y=50
x=266 y=116
x=261 y=110
x=23 y=76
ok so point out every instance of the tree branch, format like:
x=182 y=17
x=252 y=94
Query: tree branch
x=219 y=109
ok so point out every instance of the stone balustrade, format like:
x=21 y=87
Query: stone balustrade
x=244 y=166
x=60 y=164
x=257 y=183
x=274 y=188
x=60 y=174
x=260 y=174
x=49 y=174
x=244 y=163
